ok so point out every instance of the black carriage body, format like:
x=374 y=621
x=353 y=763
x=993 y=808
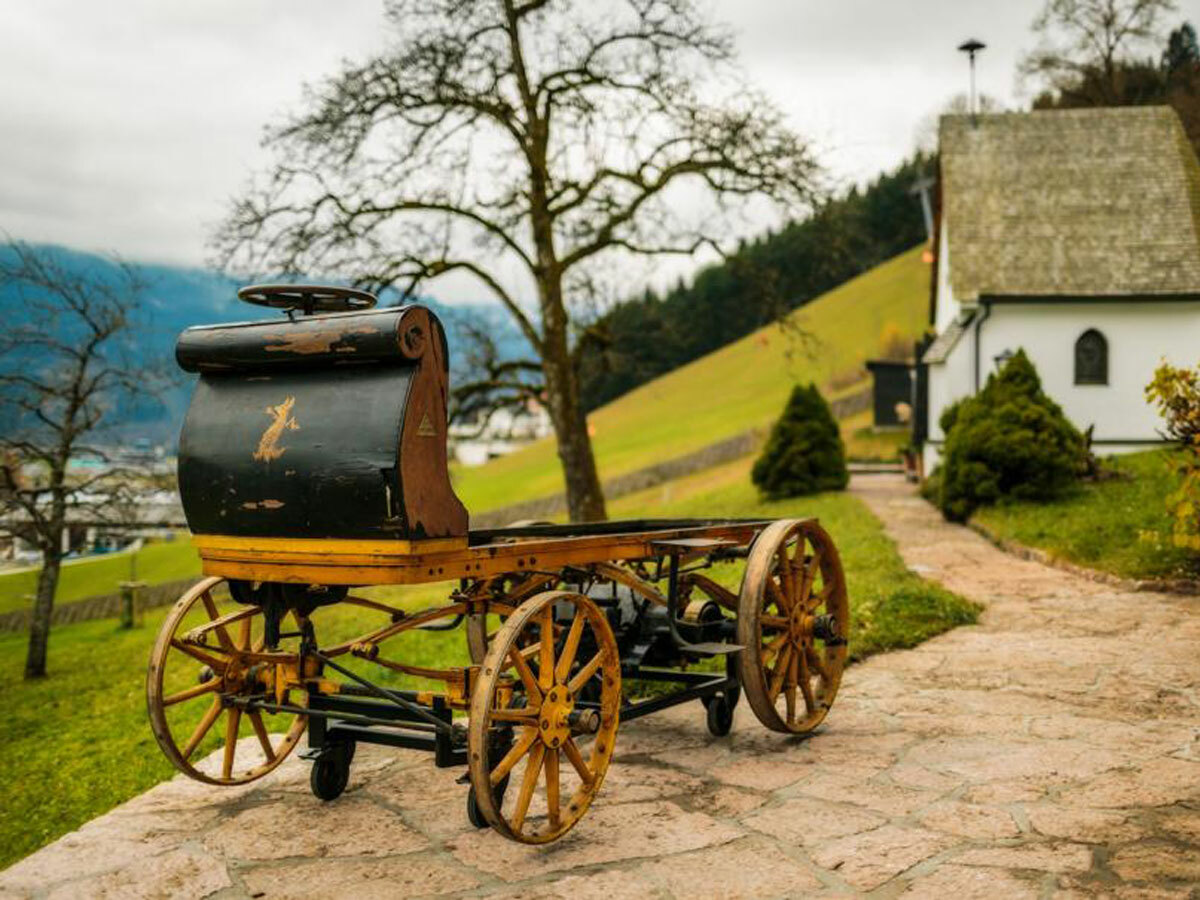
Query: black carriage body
x=323 y=427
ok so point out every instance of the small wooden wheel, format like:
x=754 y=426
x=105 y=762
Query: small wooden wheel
x=793 y=620
x=531 y=691
x=197 y=668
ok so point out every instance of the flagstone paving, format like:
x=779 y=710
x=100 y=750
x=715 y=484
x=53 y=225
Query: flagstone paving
x=1051 y=751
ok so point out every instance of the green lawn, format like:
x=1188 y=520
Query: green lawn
x=78 y=743
x=741 y=386
x=1118 y=525
x=156 y=562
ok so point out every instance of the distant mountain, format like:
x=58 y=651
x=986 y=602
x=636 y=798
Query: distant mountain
x=179 y=297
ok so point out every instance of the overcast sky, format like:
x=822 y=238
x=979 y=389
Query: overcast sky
x=126 y=126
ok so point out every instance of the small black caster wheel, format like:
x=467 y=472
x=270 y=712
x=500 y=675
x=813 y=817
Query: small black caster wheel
x=331 y=772
x=474 y=813
x=719 y=717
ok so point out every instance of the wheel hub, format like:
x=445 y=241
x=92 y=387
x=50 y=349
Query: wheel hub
x=554 y=726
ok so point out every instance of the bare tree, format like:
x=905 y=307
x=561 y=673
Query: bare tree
x=64 y=365
x=1082 y=38
x=523 y=143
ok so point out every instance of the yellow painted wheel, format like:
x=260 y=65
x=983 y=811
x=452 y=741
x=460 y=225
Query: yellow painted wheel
x=527 y=722
x=793 y=621
x=209 y=653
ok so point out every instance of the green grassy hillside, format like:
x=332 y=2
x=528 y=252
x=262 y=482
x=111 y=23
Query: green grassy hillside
x=155 y=563
x=739 y=387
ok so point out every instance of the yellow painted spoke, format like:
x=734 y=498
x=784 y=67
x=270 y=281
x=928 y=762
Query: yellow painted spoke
x=570 y=648
x=245 y=635
x=231 y=736
x=513 y=714
x=260 y=729
x=577 y=760
x=207 y=687
x=210 y=606
x=552 y=787
x=217 y=665
x=780 y=672
x=526 y=673
x=584 y=675
x=533 y=769
x=513 y=756
x=546 y=658
x=202 y=729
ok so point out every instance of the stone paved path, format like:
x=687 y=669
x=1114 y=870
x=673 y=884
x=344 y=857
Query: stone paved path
x=1051 y=751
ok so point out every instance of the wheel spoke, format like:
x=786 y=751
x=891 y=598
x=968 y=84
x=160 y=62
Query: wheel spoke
x=819 y=598
x=552 y=787
x=777 y=622
x=780 y=672
x=210 y=606
x=570 y=648
x=199 y=690
x=533 y=769
x=809 y=578
x=577 y=760
x=546 y=657
x=264 y=739
x=511 y=714
x=526 y=673
x=202 y=729
x=816 y=663
x=217 y=665
x=780 y=591
x=772 y=648
x=787 y=575
x=584 y=675
x=231 y=737
x=790 y=692
x=513 y=756
x=244 y=638
x=810 y=702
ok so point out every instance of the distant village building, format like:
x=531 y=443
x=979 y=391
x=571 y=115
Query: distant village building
x=1075 y=236
x=500 y=433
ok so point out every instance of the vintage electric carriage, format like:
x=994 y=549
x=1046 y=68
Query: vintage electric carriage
x=312 y=463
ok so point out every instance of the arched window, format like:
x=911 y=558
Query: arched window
x=1091 y=358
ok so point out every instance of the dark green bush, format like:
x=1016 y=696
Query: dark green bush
x=1010 y=440
x=804 y=453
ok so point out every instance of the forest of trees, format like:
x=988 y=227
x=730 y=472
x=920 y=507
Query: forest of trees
x=644 y=337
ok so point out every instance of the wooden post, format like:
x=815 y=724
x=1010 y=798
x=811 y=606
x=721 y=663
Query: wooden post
x=129 y=590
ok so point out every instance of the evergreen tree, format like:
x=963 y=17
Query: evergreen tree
x=1010 y=440
x=804 y=453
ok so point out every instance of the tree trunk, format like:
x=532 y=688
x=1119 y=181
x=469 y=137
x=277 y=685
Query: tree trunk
x=585 y=498
x=43 y=604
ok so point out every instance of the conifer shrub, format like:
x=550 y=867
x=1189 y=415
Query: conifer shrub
x=1008 y=441
x=804 y=453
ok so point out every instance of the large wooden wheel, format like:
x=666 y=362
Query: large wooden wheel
x=525 y=724
x=793 y=621
x=208 y=653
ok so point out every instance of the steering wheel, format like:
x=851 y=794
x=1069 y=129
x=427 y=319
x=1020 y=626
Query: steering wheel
x=308 y=298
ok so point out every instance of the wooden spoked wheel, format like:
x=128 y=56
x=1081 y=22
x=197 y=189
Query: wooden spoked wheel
x=197 y=669
x=793 y=621
x=526 y=724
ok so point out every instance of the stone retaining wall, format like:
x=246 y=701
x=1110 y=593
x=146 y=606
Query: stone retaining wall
x=103 y=606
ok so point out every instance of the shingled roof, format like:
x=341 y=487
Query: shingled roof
x=1079 y=202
